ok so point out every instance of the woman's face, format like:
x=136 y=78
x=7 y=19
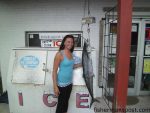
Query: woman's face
x=68 y=43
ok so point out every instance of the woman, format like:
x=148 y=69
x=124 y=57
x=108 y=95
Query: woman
x=62 y=81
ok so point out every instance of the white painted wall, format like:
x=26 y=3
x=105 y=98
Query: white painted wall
x=18 y=16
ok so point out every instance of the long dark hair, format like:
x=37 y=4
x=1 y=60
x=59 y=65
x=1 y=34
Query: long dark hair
x=62 y=46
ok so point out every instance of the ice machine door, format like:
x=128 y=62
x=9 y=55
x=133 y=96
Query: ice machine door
x=29 y=67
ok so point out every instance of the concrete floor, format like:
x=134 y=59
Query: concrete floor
x=142 y=106
x=4 y=108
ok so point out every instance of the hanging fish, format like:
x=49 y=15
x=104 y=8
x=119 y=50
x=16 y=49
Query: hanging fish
x=88 y=70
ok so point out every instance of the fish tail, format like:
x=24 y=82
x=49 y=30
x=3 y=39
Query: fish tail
x=94 y=100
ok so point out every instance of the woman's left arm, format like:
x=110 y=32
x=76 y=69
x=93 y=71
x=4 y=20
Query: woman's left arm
x=77 y=65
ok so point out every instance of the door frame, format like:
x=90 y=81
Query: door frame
x=141 y=58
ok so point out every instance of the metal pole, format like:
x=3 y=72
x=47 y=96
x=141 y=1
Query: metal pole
x=123 y=55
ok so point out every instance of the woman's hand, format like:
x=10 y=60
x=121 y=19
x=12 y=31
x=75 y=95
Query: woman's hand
x=77 y=65
x=56 y=91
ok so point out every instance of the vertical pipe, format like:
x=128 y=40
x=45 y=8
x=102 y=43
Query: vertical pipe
x=123 y=55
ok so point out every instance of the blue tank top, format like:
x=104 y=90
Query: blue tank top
x=65 y=72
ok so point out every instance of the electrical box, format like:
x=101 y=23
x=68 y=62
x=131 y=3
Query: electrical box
x=88 y=20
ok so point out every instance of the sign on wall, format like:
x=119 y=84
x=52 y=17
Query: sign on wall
x=50 y=39
x=146 y=66
x=147 y=47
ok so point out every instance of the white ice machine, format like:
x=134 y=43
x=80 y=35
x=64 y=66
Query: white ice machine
x=30 y=85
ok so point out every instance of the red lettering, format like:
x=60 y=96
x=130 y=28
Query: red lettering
x=79 y=100
x=20 y=98
x=58 y=43
x=54 y=44
x=45 y=100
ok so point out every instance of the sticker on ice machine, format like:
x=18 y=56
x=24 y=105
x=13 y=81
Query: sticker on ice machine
x=29 y=62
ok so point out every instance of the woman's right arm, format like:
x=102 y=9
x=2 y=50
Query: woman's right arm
x=57 y=61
